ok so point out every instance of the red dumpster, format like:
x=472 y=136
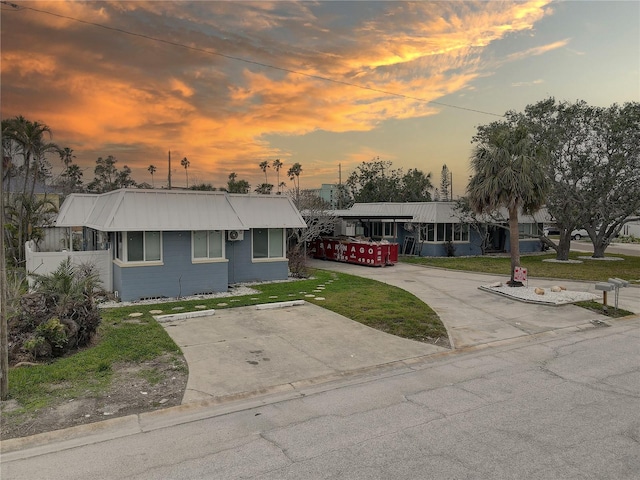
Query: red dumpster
x=375 y=254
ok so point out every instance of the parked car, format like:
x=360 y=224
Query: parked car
x=578 y=234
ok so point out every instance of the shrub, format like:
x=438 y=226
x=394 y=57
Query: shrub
x=450 y=248
x=37 y=346
x=60 y=315
x=53 y=332
x=298 y=263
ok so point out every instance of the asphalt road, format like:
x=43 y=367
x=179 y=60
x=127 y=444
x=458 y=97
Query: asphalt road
x=561 y=405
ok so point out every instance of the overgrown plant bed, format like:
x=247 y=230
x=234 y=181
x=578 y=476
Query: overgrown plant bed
x=133 y=366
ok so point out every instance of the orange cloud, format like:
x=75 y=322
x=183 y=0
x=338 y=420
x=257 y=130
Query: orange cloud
x=101 y=90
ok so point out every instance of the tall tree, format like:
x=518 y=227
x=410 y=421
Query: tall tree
x=594 y=168
x=71 y=179
x=264 y=165
x=445 y=184
x=294 y=175
x=415 y=186
x=264 y=189
x=185 y=163
x=152 y=169
x=30 y=138
x=108 y=177
x=277 y=165
x=67 y=156
x=27 y=143
x=509 y=171
x=375 y=181
x=378 y=181
x=237 y=186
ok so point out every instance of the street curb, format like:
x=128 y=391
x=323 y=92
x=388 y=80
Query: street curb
x=181 y=316
x=93 y=433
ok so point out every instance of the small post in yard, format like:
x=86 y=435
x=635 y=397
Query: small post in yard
x=617 y=283
x=604 y=287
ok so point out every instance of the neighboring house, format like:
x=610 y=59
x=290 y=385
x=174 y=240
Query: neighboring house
x=425 y=228
x=170 y=243
x=631 y=227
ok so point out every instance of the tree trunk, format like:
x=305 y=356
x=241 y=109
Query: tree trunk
x=598 y=249
x=514 y=240
x=564 y=245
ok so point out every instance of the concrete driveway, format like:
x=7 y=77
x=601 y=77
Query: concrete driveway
x=245 y=351
x=474 y=317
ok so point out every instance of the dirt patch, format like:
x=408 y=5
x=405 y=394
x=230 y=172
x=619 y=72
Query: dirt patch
x=135 y=388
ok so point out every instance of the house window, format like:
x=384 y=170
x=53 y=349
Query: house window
x=382 y=229
x=268 y=243
x=444 y=232
x=139 y=246
x=526 y=230
x=207 y=244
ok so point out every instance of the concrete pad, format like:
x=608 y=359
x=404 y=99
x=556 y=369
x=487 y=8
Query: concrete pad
x=243 y=349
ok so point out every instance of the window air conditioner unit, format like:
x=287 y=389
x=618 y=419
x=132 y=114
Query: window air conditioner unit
x=235 y=235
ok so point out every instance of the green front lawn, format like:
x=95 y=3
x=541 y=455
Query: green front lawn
x=589 y=270
x=125 y=339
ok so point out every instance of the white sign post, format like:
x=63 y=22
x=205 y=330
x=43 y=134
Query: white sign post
x=520 y=274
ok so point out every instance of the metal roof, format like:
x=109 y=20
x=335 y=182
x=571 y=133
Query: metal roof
x=266 y=211
x=420 y=212
x=75 y=209
x=177 y=210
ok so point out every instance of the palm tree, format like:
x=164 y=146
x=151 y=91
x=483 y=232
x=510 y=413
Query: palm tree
x=29 y=138
x=185 y=163
x=72 y=179
x=152 y=169
x=277 y=165
x=67 y=156
x=509 y=172
x=263 y=166
x=294 y=175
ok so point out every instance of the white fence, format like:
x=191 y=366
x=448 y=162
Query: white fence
x=43 y=263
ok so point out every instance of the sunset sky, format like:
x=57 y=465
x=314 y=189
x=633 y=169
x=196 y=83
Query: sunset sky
x=230 y=84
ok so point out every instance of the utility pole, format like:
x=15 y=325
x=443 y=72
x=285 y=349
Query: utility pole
x=169 y=170
x=4 y=334
x=339 y=186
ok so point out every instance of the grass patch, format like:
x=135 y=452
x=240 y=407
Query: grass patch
x=152 y=375
x=88 y=372
x=599 y=308
x=589 y=270
x=125 y=339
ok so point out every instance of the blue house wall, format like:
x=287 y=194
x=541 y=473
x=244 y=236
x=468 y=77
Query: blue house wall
x=242 y=268
x=470 y=248
x=177 y=276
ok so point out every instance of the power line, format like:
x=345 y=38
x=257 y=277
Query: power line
x=250 y=62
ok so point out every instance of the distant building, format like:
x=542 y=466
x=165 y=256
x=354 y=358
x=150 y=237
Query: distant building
x=329 y=193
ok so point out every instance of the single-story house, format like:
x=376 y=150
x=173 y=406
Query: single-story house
x=170 y=243
x=425 y=228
